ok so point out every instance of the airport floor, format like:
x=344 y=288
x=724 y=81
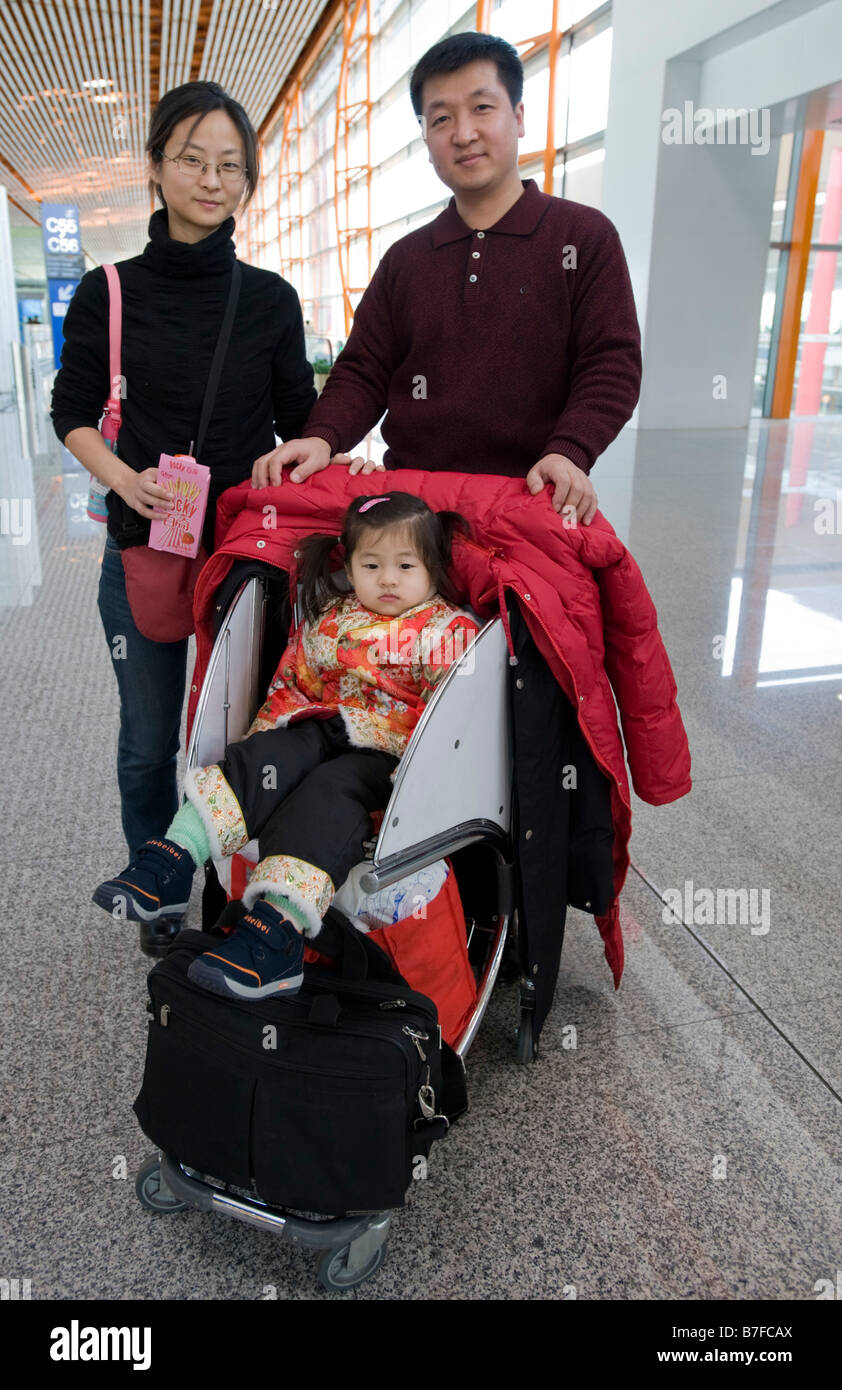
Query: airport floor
x=688 y=1147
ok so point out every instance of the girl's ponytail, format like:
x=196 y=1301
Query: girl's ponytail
x=318 y=590
x=452 y=524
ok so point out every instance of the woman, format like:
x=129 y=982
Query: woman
x=203 y=167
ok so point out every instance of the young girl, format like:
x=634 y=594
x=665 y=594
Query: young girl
x=319 y=757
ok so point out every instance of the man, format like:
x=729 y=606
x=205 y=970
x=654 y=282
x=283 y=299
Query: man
x=500 y=338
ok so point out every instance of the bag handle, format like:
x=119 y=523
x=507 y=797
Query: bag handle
x=358 y=957
x=112 y=411
x=218 y=358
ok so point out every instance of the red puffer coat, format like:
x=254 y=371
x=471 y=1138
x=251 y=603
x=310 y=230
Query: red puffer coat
x=581 y=593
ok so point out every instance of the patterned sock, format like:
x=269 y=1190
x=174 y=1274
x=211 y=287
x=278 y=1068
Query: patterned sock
x=188 y=831
x=293 y=913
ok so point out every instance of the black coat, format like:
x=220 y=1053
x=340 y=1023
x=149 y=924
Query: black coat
x=567 y=857
x=173 y=299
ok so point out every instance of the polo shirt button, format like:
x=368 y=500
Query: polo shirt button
x=472 y=278
x=519 y=683
x=480 y=235
x=528 y=835
x=260 y=544
x=475 y=255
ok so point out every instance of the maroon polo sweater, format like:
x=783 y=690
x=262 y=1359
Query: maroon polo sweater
x=488 y=350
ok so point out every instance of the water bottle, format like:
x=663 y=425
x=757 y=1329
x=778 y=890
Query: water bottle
x=97 y=494
x=97 y=491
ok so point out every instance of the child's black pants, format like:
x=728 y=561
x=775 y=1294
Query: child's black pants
x=304 y=790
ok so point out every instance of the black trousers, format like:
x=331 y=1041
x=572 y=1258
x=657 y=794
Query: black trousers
x=307 y=792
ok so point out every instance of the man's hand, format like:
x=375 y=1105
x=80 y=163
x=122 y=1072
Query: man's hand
x=309 y=456
x=573 y=488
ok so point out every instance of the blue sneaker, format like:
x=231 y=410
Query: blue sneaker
x=264 y=956
x=156 y=884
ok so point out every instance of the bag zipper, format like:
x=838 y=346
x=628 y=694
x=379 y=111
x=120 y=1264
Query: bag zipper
x=404 y=1049
x=362 y=991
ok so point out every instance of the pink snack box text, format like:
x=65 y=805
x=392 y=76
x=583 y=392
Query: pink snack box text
x=188 y=483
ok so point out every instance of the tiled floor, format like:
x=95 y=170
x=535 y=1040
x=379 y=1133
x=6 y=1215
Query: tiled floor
x=688 y=1145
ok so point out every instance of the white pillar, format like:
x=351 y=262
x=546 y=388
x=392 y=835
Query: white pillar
x=707 y=267
x=694 y=219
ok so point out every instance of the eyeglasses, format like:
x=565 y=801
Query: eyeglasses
x=191 y=166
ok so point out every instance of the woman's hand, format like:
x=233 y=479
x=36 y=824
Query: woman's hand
x=309 y=456
x=358 y=464
x=141 y=492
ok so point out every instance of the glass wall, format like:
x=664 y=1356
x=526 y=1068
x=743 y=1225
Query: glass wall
x=338 y=188
x=775 y=277
x=818 y=368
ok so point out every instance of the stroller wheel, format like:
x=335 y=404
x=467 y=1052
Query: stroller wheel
x=147 y=1185
x=334 y=1272
x=155 y=938
x=527 y=1047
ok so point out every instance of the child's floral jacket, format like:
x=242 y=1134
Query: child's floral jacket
x=376 y=672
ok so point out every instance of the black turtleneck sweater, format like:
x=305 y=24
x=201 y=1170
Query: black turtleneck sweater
x=174 y=298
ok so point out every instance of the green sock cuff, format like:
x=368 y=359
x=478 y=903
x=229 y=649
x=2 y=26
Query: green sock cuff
x=295 y=915
x=188 y=830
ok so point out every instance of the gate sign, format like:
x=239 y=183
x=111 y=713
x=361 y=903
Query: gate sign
x=62 y=241
x=59 y=293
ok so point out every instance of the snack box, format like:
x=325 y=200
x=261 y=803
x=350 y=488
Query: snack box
x=188 y=483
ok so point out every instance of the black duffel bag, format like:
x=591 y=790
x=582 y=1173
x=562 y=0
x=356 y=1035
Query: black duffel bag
x=322 y=1102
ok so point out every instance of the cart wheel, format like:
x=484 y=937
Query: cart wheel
x=156 y=938
x=147 y=1185
x=333 y=1268
x=527 y=1047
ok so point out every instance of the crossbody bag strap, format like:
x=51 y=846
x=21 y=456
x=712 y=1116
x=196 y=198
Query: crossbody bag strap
x=112 y=414
x=218 y=358
x=135 y=529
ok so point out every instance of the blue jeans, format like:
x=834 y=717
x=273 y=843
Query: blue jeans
x=151 y=678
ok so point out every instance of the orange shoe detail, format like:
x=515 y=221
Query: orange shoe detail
x=232 y=966
x=151 y=896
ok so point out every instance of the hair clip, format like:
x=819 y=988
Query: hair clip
x=371 y=502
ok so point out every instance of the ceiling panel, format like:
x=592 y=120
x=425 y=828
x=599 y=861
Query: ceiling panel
x=79 y=79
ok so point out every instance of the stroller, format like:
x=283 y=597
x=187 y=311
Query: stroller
x=466 y=726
